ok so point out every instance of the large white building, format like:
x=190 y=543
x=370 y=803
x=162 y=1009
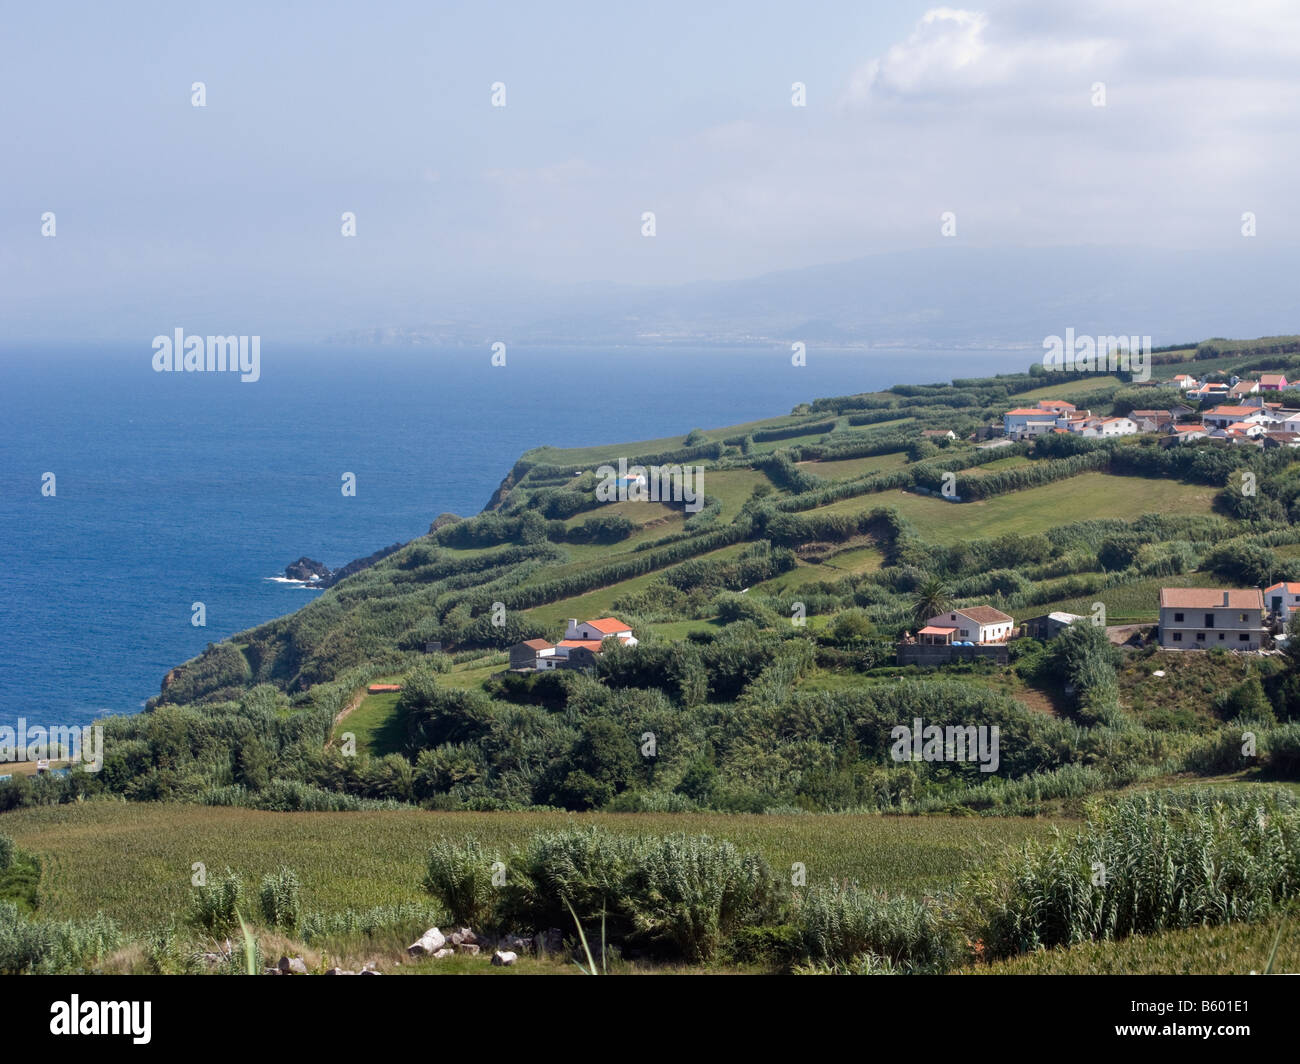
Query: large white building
x=1220 y=417
x=1199 y=618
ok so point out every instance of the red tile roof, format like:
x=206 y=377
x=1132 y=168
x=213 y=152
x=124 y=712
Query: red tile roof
x=980 y=615
x=609 y=625
x=1205 y=598
x=985 y=614
x=590 y=644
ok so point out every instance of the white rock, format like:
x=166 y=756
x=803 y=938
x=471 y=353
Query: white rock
x=429 y=942
x=502 y=958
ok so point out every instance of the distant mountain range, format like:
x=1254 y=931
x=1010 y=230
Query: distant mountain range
x=947 y=297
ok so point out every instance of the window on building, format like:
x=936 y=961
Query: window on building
x=1200 y=637
x=1178 y=617
x=1243 y=638
x=1178 y=637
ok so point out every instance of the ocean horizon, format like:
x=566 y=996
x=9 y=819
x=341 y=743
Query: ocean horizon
x=173 y=489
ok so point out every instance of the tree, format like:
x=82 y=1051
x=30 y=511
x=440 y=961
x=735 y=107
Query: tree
x=1119 y=552
x=1246 y=703
x=931 y=599
x=602 y=763
x=852 y=626
x=1083 y=655
x=1249 y=564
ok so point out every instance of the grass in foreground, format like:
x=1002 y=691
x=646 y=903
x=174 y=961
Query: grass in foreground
x=132 y=861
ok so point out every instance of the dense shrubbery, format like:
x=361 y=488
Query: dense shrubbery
x=32 y=946
x=1148 y=862
x=678 y=895
x=841 y=925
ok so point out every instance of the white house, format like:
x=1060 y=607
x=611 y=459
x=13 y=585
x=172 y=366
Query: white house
x=1198 y=618
x=972 y=624
x=1099 y=427
x=1220 y=417
x=1281 y=599
x=581 y=645
x=1028 y=421
x=1185 y=381
x=1117 y=426
x=601 y=629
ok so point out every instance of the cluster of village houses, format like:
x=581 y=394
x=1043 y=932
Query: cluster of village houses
x=1241 y=414
x=1191 y=618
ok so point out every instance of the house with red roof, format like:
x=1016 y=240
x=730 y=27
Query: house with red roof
x=1182 y=434
x=533 y=655
x=1211 y=390
x=971 y=624
x=1151 y=420
x=1281 y=599
x=1220 y=417
x=1272 y=382
x=1198 y=618
x=600 y=629
x=582 y=644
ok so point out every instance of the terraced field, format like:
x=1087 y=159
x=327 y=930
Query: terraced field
x=1081 y=498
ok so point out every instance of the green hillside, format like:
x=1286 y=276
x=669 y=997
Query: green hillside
x=760 y=704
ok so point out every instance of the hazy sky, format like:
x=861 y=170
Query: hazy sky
x=612 y=109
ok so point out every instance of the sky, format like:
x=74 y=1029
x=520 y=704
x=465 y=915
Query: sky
x=164 y=209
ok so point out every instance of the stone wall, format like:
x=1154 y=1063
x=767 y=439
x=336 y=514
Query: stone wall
x=924 y=654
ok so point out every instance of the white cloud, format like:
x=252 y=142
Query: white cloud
x=953 y=51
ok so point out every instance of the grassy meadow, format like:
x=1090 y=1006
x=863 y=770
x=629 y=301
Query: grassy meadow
x=132 y=861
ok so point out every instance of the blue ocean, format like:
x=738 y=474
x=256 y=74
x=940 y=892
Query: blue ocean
x=177 y=488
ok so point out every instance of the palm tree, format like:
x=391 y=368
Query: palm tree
x=931 y=599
